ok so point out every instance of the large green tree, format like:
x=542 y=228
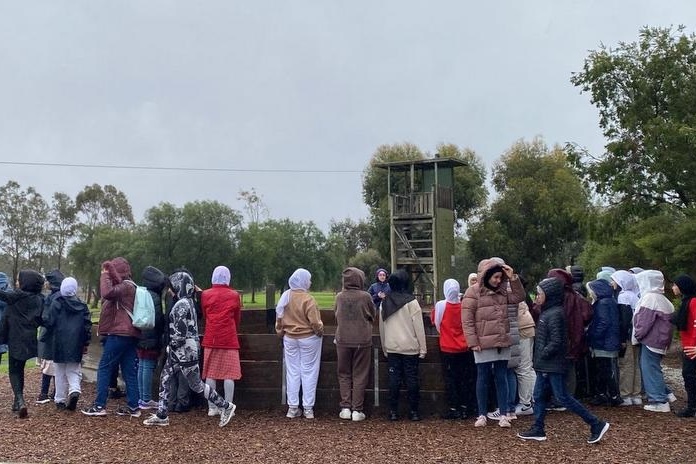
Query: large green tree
x=535 y=222
x=645 y=92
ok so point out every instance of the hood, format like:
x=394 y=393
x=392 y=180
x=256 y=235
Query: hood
x=629 y=288
x=578 y=273
x=74 y=304
x=562 y=275
x=221 y=276
x=650 y=281
x=600 y=289
x=121 y=267
x=553 y=289
x=488 y=267
x=30 y=281
x=353 y=279
x=400 y=295
x=54 y=279
x=605 y=273
x=470 y=279
x=301 y=279
x=68 y=287
x=182 y=284
x=4 y=282
x=686 y=285
x=636 y=270
x=154 y=279
x=451 y=290
x=381 y=269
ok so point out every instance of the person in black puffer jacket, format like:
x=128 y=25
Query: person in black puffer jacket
x=150 y=344
x=19 y=330
x=551 y=365
x=44 y=354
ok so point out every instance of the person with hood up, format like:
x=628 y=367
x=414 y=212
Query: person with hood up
x=379 y=289
x=298 y=321
x=685 y=321
x=150 y=344
x=18 y=330
x=604 y=340
x=44 y=357
x=4 y=287
x=120 y=337
x=629 y=362
x=402 y=334
x=458 y=365
x=355 y=315
x=652 y=327
x=550 y=363
x=605 y=273
x=182 y=353
x=472 y=279
x=69 y=327
x=486 y=323
x=578 y=276
x=222 y=311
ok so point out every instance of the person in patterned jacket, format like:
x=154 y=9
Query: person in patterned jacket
x=182 y=353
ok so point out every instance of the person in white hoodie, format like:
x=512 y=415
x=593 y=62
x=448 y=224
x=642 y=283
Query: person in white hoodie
x=652 y=327
x=629 y=361
x=402 y=334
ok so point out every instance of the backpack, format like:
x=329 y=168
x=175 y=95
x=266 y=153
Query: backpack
x=143 y=315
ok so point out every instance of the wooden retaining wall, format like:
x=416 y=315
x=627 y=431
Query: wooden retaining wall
x=261 y=353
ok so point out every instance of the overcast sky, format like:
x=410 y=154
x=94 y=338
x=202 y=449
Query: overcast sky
x=297 y=85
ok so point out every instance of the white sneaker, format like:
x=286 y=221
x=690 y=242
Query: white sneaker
x=524 y=409
x=671 y=397
x=227 y=414
x=154 y=419
x=358 y=416
x=495 y=415
x=309 y=413
x=213 y=410
x=504 y=421
x=657 y=407
x=511 y=416
x=345 y=414
x=637 y=400
x=293 y=412
x=480 y=421
x=628 y=401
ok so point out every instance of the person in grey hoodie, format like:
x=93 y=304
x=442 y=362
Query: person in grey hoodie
x=355 y=314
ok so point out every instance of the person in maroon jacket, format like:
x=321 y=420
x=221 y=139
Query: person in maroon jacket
x=115 y=324
x=222 y=313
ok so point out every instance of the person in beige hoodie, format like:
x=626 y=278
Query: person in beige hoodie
x=298 y=321
x=402 y=335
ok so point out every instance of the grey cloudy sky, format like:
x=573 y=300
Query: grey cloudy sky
x=307 y=85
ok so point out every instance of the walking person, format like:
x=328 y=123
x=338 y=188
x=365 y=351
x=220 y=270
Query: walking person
x=69 y=329
x=355 y=315
x=18 y=330
x=182 y=353
x=551 y=364
x=222 y=311
x=652 y=327
x=150 y=344
x=458 y=367
x=685 y=321
x=402 y=333
x=298 y=322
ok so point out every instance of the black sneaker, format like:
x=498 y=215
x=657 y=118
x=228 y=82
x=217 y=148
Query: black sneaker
x=94 y=410
x=452 y=414
x=414 y=416
x=598 y=431
x=126 y=411
x=72 y=401
x=393 y=416
x=533 y=434
x=615 y=401
x=42 y=399
x=61 y=406
x=687 y=412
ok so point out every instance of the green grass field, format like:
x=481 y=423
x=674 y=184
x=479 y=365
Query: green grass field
x=325 y=300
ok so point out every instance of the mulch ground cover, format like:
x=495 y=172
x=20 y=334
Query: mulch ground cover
x=49 y=435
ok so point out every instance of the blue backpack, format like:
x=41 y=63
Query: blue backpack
x=143 y=315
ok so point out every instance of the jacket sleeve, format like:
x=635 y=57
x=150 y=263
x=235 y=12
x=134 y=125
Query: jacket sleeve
x=87 y=321
x=10 y=297
x=517 y=294
x=419 y=328
x=554 y=337
x=48 y=317
x=4 y=329
x=469 y=306
x=111 y=286
x=314 y=317
x=643 y=322
x=368 y=310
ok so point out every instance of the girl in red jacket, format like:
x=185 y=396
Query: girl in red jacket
x=222 y=313
x=685 y=320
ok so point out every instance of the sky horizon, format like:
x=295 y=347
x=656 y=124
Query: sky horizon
x=291 y=99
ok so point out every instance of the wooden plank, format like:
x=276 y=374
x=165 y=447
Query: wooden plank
x=260 y=374
x=260 y=347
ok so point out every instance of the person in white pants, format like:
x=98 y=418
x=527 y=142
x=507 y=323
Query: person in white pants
x=526 y=376
x=68 y=332
x=298 y=321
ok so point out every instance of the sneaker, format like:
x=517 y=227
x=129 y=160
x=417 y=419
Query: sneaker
x=480 y=421
x=126 y=411
x=657 y=407
x=213 y=410
x=393 y=416
x=671 y=397
x=628 y=401
x=72 y=400
x=358 y=416
x=524 y=409
x=42 y=399
x=414 y=416
x=293 y=412
x=504 y=421
x=615 y=401
x=533 y=434
x=495 y=415
x=61 y=406
x=154 y=419
x=687 y=412
x=94 y=410
x=598 y=432
x=452 y=414
x=511 y=416
x=637 y=400
x=345 y=414
x=227 y=414
x=557 y=407
x=309 y=413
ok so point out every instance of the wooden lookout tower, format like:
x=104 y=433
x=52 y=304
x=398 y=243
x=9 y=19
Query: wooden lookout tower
x=421 y=206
